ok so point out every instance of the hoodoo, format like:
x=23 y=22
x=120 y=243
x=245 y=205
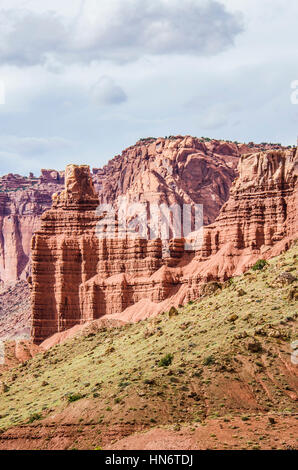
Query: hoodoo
x=63 y=254
x=78 y=277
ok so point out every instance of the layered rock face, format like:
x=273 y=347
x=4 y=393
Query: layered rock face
x=15 y=311
x=63 y=254
x=22 y=201
x=78 y=276
x=262 y=208
x=166 y=170
x=177 y=170
x=66 y=254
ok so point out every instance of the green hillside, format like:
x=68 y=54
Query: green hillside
x=227 y=354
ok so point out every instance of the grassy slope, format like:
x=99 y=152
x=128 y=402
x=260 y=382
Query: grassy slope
x=213 y=373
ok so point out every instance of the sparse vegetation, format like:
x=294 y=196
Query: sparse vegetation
x=147 y=139
x=200 y=356
x=259 y=265
x=34 y=417
x=208 y=361
x=74 y=397
x=166 y=360
x=245 y=418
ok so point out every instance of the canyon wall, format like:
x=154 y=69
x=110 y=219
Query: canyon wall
x=66 y=254
x=177 y=170
x=260 y=214
x=170 y=170
x=22 y=201
x=78 y=277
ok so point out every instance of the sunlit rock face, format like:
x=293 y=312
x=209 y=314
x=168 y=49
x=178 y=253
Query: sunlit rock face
x=174 y=170
x=78 y=277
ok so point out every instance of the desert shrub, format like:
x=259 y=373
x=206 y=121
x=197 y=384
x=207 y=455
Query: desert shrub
x=74 y=397
x=149 y=381
x=123 y=384
x=166 y=360
x=260 y=264
x=208 y=361
x=34 y=417
x=147 y=139
x=245 y=418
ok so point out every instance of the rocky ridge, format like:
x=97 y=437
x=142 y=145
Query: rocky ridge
x=176 y=169
x=77 y=277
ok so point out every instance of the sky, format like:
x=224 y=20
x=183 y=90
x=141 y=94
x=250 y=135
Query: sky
x=84 y=79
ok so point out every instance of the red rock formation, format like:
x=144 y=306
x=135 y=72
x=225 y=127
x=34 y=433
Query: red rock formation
x=258 y=221
x=182 y=170
x=63 y=253
x=22 y=201
x=77 y=278
x=262 y=208
x=172 y=170
x=66 y=254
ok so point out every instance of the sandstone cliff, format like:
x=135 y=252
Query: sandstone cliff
x=15 y=311
x=182 y=170
x=261 y=212
x=22 y=201
x=77 y=278
x=172 y=170
x=166 y=170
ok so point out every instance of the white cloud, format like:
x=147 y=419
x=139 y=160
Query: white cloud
x=117 y=30
x=106 y=92
x=102 y=74
x=27 y=37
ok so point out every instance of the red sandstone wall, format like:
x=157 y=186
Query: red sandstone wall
x=173 y=170
x=76 y=277
x=22 y=201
